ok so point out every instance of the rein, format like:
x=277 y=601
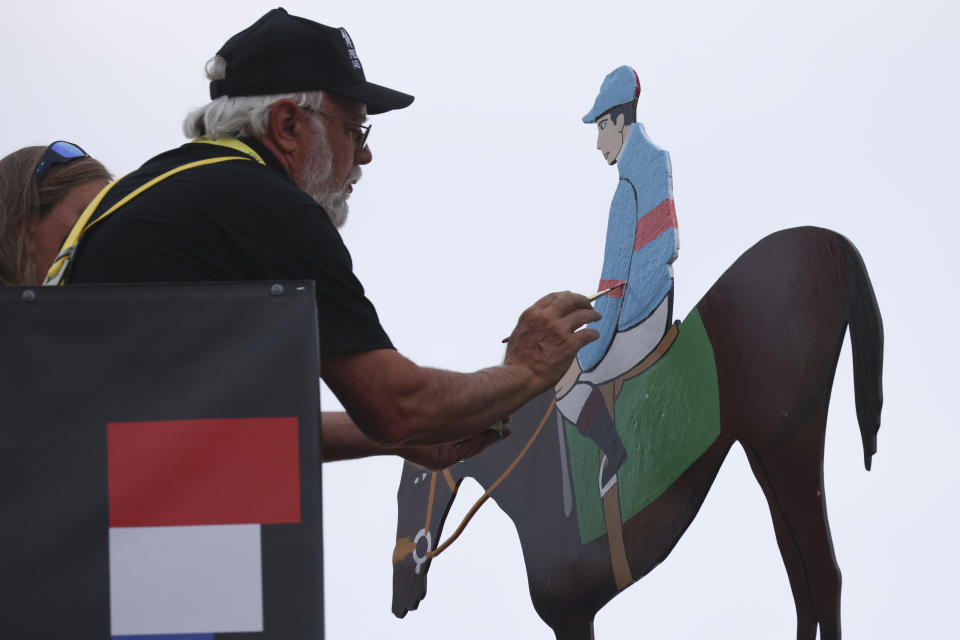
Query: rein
x=486 y=494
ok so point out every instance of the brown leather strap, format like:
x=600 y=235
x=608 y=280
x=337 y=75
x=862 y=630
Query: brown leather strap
x=611 y=499
x=618 y=553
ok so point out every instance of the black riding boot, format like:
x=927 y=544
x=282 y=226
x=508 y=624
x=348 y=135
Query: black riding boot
x=596 y=423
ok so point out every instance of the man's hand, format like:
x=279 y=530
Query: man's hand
x=440 y=456
x=548 y=335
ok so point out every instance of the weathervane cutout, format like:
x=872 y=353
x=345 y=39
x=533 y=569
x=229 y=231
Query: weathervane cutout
x=646 y=414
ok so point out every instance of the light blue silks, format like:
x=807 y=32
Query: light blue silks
x=646 y=182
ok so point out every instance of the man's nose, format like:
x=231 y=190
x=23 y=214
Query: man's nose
x=364 y=156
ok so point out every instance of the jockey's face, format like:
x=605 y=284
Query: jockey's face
x=610 y=137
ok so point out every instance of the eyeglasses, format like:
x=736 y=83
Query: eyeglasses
x=359 y=137
x=58 y=152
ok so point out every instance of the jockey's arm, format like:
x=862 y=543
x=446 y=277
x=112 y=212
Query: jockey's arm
x=617 y=256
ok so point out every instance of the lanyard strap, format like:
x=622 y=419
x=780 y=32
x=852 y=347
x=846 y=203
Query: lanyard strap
x=232 y=143
x=57 y=271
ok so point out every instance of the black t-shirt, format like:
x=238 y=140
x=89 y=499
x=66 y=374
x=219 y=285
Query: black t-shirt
x=231 y=221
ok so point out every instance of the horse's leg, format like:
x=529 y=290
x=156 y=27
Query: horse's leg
x=578 y=628
x=791 y=473
x=806 y=617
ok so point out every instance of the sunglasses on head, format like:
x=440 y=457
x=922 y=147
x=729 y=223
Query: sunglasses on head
x=58 y=152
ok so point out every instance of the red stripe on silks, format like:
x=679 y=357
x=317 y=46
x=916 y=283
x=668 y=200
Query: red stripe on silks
x=616 y=293
x=654 y=222
x=202 y=472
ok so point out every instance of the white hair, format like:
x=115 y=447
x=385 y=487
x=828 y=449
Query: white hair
x=248 y=116
x=239 y=116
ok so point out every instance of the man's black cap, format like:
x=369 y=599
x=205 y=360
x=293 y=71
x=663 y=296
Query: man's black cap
x=281 y=53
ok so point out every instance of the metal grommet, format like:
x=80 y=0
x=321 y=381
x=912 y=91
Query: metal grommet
x=29 y=295
x=276 y=289
x=417 y=558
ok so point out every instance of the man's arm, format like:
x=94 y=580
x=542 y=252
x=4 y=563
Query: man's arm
x=343 y=440
x=396 y=402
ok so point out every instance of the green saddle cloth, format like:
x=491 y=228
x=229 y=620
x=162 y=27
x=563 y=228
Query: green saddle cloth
x=666 y=417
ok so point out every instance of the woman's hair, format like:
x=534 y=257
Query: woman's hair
x=24 y=202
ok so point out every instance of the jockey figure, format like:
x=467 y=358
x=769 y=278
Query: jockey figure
x=640 y=247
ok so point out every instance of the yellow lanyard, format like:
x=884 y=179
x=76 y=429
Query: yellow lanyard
x=55 y=275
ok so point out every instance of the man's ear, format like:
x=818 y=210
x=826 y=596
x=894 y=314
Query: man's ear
x=619 y=121
x=282 y=127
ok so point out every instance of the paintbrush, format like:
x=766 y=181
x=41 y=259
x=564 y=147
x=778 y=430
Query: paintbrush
x=590 y=298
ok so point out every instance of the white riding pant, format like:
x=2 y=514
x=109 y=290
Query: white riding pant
x=626 y=351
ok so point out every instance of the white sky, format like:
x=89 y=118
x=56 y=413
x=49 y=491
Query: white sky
x=488 y=192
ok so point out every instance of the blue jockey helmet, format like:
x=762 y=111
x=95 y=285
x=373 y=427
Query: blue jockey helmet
x=621 y=85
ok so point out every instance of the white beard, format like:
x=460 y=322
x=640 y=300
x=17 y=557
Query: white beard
x=318 y=182
x=334 y=200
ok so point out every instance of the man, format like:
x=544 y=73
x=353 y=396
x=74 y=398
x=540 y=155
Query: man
x=289 y=100
x=641 y=246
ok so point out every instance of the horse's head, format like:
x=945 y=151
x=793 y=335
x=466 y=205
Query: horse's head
x=423 y=500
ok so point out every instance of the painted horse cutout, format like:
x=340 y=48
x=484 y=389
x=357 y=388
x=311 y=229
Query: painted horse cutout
x=753 y=363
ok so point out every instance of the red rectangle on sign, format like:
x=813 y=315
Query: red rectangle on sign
x=198 y=472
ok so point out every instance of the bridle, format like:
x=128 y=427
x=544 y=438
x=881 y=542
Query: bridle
x=405 y=547
x=425 y=532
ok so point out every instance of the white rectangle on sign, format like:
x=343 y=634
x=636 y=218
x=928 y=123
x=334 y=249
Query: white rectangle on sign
x=197 y=579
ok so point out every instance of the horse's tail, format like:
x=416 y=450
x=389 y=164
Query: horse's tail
x=866 y=338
